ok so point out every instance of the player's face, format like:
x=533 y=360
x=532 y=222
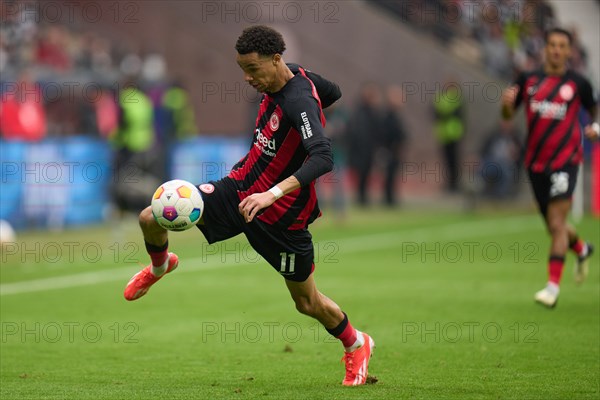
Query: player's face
x=259 y=71
x=557 y=50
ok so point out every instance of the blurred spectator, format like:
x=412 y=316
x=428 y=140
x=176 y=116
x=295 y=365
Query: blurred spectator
x=180 y=122
x=18 y=28
x=364 y=134
x=51 y=48
x=107 y=113
x=578 y=59
x=336 y=128
x=496 y=52
x=174 y=118
x=136 y=160
x=394 y=138
x=95 y=54
x=135 y=132
x=22 y=115
x=501 y=156
x=449 y=127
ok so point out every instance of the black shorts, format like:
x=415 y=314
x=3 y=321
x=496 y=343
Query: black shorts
x=290 y=252
x=554 y=185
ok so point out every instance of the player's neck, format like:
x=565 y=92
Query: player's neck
x=284 y=74
x=555 y=70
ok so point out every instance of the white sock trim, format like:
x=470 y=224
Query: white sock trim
x=360 y=340
x=585 y=250
x=553 y=288
x=160 y=270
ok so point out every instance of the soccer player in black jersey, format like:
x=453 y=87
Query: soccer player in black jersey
x=270 y=193
x=553 y=97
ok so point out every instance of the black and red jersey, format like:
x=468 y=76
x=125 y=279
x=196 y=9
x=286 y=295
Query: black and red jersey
x=288 y=140
x=552 y=106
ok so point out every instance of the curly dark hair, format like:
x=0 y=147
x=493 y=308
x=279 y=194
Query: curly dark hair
x=261 y=39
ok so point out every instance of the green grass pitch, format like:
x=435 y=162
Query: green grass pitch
x=448 y=299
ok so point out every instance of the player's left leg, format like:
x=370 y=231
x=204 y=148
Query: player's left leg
x=358 y=345
x=556 y=222
x=291 y=254
x=583 y=250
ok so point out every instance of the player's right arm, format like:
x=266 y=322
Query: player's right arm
x=512 y=96
x=509 y=97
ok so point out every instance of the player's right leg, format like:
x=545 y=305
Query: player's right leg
x=556 y=222
x=163 y=262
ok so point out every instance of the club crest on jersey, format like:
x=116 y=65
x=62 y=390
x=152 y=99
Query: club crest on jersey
x=274 y=122
x=207 y=188
x=566 y=92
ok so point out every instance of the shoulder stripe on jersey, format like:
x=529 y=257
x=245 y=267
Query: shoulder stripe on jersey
x=315 y=95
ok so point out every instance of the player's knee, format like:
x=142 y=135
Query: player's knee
x=557 y=226
x=305 y=306
x=146 y=219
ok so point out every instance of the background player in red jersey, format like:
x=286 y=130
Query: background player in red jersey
x=270 y=195
x=553 y=97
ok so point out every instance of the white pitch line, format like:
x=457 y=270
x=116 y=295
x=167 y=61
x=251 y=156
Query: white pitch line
x=458 y=231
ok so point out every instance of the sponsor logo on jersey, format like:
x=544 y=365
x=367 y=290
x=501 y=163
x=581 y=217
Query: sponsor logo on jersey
x=207 y=188
x=549 y=109
x=274 y=122
x=264 y=144
x=566 y=92
x=306 y=129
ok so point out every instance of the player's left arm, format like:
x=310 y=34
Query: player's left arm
x=591 y=130
x=329 y=92
x=304 y=115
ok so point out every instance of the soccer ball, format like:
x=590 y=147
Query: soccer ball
x=177 y=205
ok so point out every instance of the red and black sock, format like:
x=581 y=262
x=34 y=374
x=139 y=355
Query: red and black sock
x=345 y=333
x=578 y=246
x=555 y=268
x=158 y=254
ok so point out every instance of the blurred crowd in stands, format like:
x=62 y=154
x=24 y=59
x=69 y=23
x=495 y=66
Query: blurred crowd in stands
x=61 y=64
x=506 y=36
x=63 y=79
x=369 y=138
x=60 y=79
